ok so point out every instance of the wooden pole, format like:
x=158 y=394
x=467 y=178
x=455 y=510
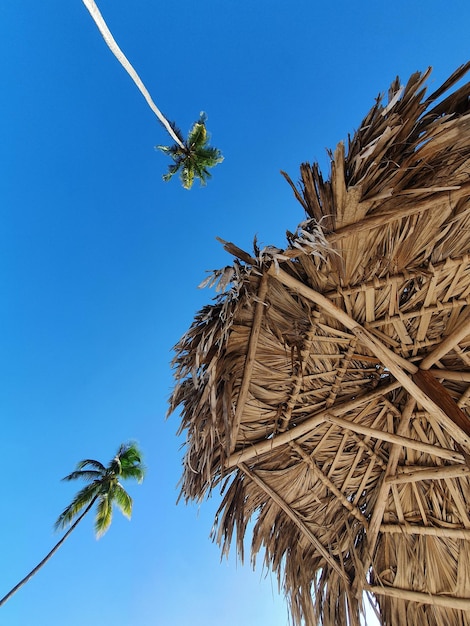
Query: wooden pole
x=250 y=358
x=446 y=345
x=432 y=531
x=416 y=473
x=450 y=602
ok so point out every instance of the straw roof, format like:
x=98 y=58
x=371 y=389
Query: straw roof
x=326 y=389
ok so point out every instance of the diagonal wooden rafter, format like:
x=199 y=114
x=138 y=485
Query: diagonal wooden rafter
x=329 y=558
x=446 y=345
x=441 y=398
x=329 y=484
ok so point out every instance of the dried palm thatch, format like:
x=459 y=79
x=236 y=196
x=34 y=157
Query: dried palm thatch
x=326 y=389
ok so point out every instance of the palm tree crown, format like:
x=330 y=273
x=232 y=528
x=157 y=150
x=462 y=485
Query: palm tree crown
x=105 y=487
x=192 y=157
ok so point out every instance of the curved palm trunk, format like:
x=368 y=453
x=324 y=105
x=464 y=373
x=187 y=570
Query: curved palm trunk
x=48 y=556
x=121 y=57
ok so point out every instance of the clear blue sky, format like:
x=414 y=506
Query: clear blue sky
x=100 y=261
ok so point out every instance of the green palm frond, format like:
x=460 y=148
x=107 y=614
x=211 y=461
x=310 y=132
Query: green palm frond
x=176 y=130
x=123 y=500
x=131 y=462
x=104 y=514
x=197 y=136
x=187 y=176
x=195 y=159
x=84 y=475
x=136 y=472
x=92 y=463
x=170 y=150
x=129 y=454
x=172 y=170
x=81 y=500
x=115 y=466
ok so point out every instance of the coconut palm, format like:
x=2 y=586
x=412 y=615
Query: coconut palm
x=195 y=157
x=104 y=489
x=192 y=156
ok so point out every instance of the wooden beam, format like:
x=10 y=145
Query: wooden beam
x=450 y=602
x=446 y=345
x=329 y=558
x=441 y=397
x=433 y=531
x=266 y=445
x=405 y=442
x=463 y=377
x=250 y=358
x=416 y=473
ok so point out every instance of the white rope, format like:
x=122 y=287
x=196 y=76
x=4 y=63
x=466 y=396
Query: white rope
x=121 y=57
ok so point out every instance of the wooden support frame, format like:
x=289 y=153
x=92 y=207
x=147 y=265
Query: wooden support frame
x=463 y=377
x=405 y=442
x=397 y=365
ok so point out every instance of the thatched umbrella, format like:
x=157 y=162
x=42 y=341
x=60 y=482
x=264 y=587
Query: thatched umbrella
x=326 y=389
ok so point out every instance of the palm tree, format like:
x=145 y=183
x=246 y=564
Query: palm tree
x=104 y=489
x=192 y=156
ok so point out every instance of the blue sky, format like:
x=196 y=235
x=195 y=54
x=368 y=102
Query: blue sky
x=100 y=261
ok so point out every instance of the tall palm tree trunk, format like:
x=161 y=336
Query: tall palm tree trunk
x=49 y=555
x=121 y=57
